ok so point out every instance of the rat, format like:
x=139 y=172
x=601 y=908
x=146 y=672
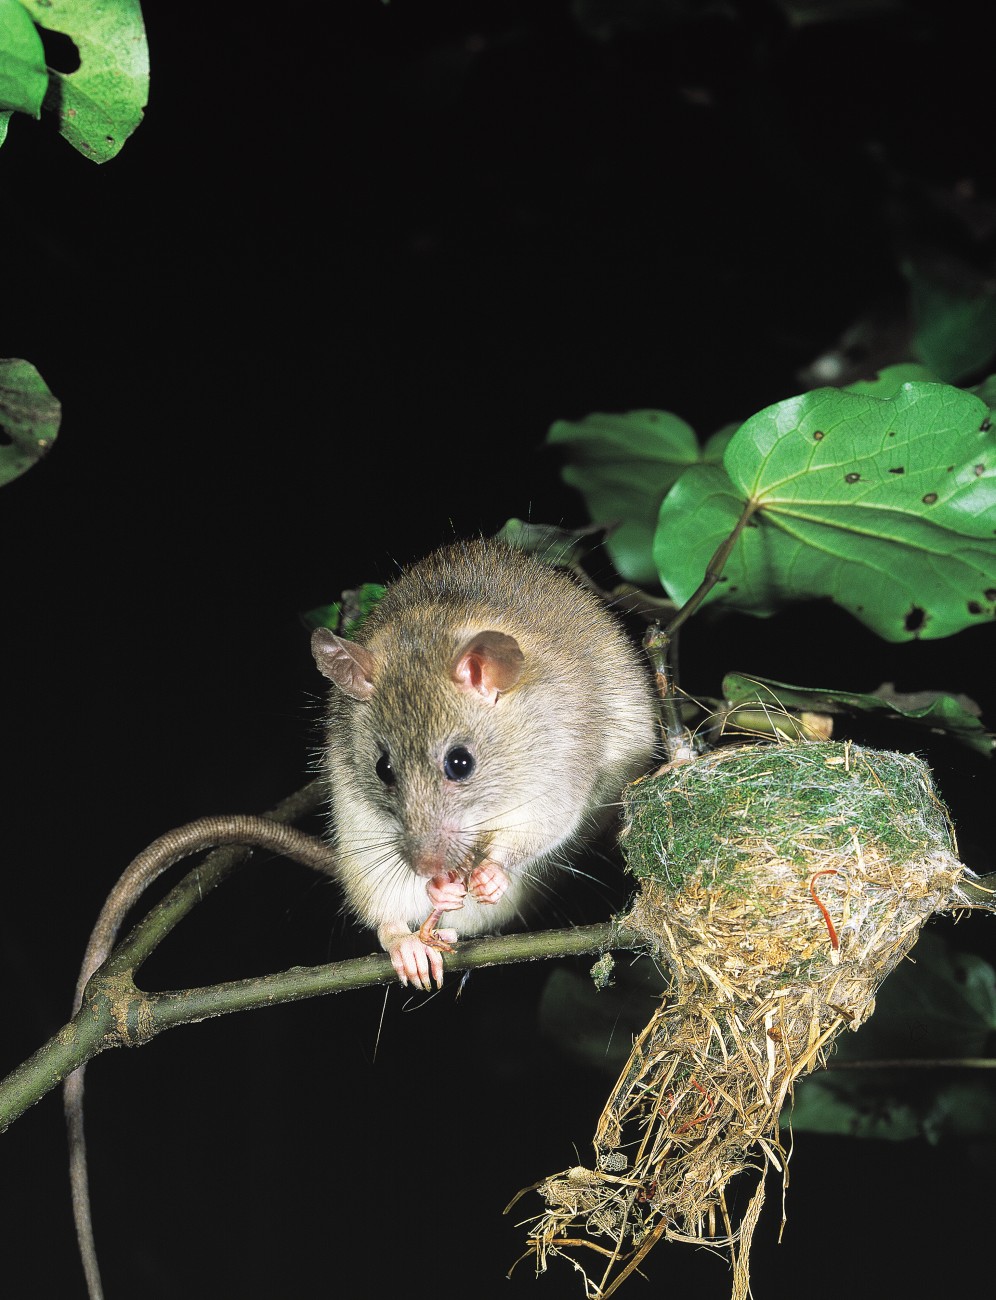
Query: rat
x=486 y=718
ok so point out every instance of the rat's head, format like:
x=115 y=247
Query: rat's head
x=438 y=741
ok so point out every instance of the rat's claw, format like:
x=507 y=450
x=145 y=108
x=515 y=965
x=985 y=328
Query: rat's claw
x=416 y=964
x=418 y=960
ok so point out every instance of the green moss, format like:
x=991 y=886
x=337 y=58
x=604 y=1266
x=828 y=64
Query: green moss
x=706 y=819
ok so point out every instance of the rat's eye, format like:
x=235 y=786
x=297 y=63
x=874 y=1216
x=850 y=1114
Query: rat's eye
x=458 y=764
x=384 y=769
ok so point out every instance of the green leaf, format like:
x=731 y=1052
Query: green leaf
x=939 y=1006
x=552 y=545
x=29 y=418
x=322 y=616
x=716 y=444
x=595 y=1024
x=23 y=79
x=986 y=391
x=937 y=711
x=348 y=615
x=100 y=104
x=954 y=308
x=886 y=506
x=699 y=512
x=890 y=379
x=623 y=465
x=805 y=13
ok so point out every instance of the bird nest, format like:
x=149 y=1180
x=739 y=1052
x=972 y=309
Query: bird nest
x=779 y=886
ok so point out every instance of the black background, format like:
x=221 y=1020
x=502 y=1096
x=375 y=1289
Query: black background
x=315 y=319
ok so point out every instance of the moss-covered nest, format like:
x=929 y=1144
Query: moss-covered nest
x=779 y=886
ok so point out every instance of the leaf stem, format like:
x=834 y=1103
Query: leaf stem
x=714 y=570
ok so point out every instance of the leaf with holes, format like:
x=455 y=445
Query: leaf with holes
x=29 y=417
x=99 y=104
x=885 y=506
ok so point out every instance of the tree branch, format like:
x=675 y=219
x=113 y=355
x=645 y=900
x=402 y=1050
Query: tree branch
x=116 y=1013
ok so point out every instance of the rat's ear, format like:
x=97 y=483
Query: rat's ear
x=488 y=664
x=347 y=664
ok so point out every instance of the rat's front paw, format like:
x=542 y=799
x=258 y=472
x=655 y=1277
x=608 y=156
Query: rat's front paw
x=419 y=962
x=447 y=891
x=487 y=883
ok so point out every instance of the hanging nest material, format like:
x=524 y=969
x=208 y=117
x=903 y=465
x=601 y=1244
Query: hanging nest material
x=780 y=884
